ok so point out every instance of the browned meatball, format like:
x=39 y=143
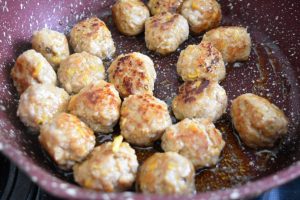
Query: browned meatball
x=200 y=99
x=196 y=139
x=259 y=123
x=202 y=15
x=132 y=73
x=166 y=174
x=130 y=16
x=98 y=105
x=67 y=139
x=233 y=42
x=111 y=167
x=144 y=118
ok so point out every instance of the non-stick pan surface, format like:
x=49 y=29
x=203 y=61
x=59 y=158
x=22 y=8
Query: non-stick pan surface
x=273 y=71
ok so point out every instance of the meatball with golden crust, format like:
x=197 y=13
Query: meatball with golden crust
x=67 y=139
x=201 y=61
x=196 y=139
x=166 y=174
x=130 y=16
x=202 y=15
x=164 y=32
x=233 y=42
x=259 y=123
x=79 y=70
x=32 y=68
x=144 y=118
x=111 y=167
x=40 y=103
x=92 y=35
x=200 y=99
x=159 y=6
x=98 y=105
x=132 y=73
x=52 y=44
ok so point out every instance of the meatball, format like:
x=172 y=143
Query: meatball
x=79 y=70
x=259 y=123
x=98 y=105
x=202 y=15
x=67 y=139
x=164 y=32
x=144 y=118
x=52 y=44
x=130 y=16
x=196 y=139
x=159 y=6
x=32 y=68
x=92 y=36
x=201 y=61
x=40 y=103
x=111 y=167
x=166 y=174
x=200 y=99
x=233 y=42
x=132 y=73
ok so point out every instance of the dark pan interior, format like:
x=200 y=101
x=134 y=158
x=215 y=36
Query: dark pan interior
x=273 y=71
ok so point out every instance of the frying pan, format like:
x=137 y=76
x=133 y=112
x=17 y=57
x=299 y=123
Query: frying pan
x=272 y=71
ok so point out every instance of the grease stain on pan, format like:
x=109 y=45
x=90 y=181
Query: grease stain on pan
x=268 y=73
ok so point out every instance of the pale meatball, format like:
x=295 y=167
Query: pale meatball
x=259 y=123
x=159 y=6
x=132 y=73
x=52 y=44
x=32 y=68
x=202 y=15
x=144 y=118
x=201 y=61
x=130 y=16
x=92 y=36
x=111 y=167
x=196 y=139
x=200 y=99
x=166 y=174
x=40 y=103
x=79 y=70
x=67 y=140
x=164 y=32
x=98 y=105
x=233 y=42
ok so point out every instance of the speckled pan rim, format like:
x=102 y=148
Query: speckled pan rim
x=61 y=189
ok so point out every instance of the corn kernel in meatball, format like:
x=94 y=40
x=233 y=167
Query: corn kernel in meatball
x=200 y=99
x=202 y=15
x=98 y=105
x=92 y=36
x=233 y=42
x=32 y=68
x=144 y=118
x=130 y=16
x=111 y=167
x=40 y=103
x=132 y=73
x=201 y=61
x=79 y=70
x=259 y=123
x=67 y=139
x=159 y=6
x=166 y=174
x=196 y=139
x=164 y=32
x=52 y=44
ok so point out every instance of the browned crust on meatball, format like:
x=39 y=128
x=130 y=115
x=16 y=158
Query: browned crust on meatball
x=250 y=121
x=190 y=89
